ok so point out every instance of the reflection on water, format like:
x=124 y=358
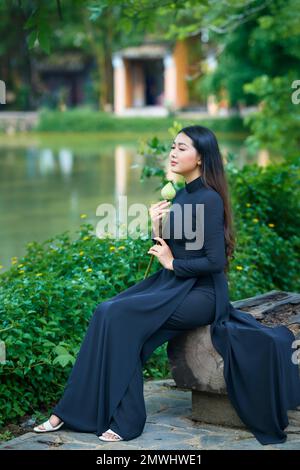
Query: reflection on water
x=46 y=162
x=44 y=190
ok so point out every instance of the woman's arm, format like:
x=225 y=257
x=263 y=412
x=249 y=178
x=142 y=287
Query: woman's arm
x=214 y=242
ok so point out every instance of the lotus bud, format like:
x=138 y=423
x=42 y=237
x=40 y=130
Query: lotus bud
x=168 y=191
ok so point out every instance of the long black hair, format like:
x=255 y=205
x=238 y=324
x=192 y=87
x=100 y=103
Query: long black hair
x=213 y=175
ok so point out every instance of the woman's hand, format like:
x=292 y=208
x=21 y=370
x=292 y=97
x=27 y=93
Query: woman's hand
x=157 y=211
x=163 y=253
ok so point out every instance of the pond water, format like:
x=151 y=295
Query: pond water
x=48 y=181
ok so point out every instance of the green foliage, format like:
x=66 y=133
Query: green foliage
x=56 y=32
x=87 y=120
x=255 y=49
x=6 y=436
x=267 y=220
x=46 y=301
x=157 y=365
x=276 y=125
x=40 y=30
x=263 y=59
x=235 y=67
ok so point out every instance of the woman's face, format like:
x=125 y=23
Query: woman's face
x=183 y=156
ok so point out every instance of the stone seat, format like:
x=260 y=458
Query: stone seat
x=196 y=365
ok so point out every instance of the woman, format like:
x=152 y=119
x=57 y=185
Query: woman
x=104 y=393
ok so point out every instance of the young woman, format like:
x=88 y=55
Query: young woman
x=104 y=393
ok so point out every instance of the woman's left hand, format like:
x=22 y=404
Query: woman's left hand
x=163 y=253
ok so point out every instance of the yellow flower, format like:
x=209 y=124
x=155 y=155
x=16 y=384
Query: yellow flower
x=21 y=271
x=255 y=220
x=39 y=274
x=89 y=270
x=83 y=216
x=122 y=247
x=239 y=268
x=271 y=225
x=86 y=237
x=112 y=248
x=20 y=265
x=14 y=261
x=1 y=266
x=81 y=253
x=248 y=204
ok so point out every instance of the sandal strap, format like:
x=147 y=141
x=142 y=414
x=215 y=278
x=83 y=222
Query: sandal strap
x=47 y=425
x=113 y=432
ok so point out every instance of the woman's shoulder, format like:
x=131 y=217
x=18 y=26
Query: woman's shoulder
x=208 y=194
x=205 y=194
x=211 y=199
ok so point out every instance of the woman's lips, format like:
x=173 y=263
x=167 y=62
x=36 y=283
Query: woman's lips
x=173 y=163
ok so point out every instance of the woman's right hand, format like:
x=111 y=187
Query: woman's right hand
x=157 y=211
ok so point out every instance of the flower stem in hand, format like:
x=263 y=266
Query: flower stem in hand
x=167 y=192
x=152 y=256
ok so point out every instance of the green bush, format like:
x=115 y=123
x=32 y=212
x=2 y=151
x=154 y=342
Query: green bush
x=46 y=301
x=265 y=203
x=86 y=120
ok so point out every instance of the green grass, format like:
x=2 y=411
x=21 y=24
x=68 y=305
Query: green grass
x=86 y=120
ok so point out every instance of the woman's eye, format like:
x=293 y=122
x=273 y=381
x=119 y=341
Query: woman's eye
x=181 y=149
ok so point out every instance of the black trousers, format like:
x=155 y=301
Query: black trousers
x=197 y=309
x=80 y=407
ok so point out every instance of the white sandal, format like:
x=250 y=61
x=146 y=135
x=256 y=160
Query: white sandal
x=48 y=427
x=119 y=438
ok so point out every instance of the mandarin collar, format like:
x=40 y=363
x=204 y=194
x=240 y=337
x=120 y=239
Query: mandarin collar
x=194 y=184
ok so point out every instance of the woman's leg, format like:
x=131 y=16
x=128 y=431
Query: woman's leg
x=96 y=378
x=130 y=416
x=197 y=309
x=128 y=419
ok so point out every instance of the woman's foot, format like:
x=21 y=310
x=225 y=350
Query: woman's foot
x=111 y=436
x=50 y=425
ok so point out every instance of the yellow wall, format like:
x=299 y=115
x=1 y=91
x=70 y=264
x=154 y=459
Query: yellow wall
x=128 y=87
x=180 y=55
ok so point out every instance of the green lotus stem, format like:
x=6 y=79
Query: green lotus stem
x=149 y=266
x=152 y=256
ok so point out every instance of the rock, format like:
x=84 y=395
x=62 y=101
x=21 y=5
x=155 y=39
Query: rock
x=197 y=366
x=28 y=423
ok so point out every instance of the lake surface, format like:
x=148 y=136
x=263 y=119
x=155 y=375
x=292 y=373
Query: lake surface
x=48 y=181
